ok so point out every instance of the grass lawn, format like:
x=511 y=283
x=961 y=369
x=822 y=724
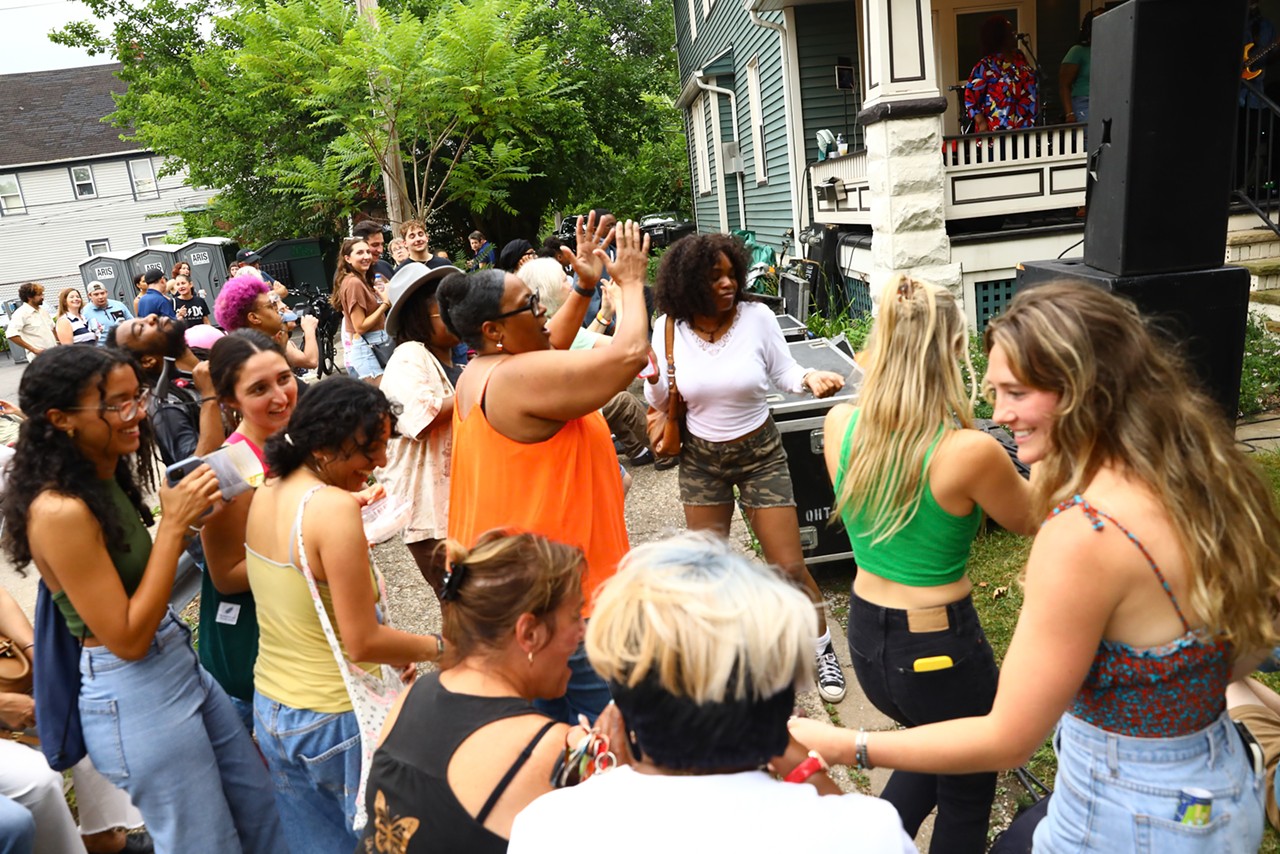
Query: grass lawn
x=996 y=560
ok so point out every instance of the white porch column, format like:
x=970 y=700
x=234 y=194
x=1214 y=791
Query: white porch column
x=902 y=121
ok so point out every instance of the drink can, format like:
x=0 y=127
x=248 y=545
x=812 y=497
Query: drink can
x=1194 y=806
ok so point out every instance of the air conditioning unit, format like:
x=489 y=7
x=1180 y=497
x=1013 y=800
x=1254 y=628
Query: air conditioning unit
x=731 y=157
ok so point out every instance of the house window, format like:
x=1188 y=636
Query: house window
x=143 y=177
x=154 y=238
x=11 y=202
x=757 y=121
x=698 y=118
x=693 y=22
x=82 y=181
x=97 y=247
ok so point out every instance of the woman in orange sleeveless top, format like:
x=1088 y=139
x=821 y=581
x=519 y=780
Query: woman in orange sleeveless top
x=531 y=450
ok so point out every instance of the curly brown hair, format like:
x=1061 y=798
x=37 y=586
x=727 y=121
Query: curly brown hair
x=684 y=276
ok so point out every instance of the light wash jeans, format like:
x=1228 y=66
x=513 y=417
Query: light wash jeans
x=17 y=828
x=161 y=729
x=314 y=759
x=363 y=361
x=1117 y=793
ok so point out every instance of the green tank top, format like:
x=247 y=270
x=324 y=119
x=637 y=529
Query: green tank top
x=130 y=561
x=933 y=548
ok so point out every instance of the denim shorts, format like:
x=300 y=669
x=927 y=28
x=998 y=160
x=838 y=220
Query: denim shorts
x=756 y=465
x=362 y=360
x=1117 y=793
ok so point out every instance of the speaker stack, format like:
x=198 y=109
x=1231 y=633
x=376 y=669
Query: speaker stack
x=1162 y=111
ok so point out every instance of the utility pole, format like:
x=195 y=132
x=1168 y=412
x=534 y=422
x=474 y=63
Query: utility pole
x=392 y=161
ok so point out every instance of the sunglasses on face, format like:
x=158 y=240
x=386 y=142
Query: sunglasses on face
x=531 y=305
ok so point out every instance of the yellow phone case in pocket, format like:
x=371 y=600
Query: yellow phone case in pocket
x=933 y=662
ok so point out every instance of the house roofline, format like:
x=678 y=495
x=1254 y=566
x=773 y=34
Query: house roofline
x=107 y=156
x=690 y=89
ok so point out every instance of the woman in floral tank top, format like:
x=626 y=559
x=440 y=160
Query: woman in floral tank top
x=1152 y=580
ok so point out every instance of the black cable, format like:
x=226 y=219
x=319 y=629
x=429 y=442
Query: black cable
x=1069 y=248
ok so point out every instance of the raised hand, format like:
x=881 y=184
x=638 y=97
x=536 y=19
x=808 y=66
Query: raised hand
x=631 y=267
x=592 y=239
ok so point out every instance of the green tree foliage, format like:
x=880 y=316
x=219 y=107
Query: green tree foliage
x=502 y=109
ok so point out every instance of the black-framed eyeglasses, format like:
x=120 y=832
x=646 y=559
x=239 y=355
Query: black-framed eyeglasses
x=531 y=305
x=127 y=411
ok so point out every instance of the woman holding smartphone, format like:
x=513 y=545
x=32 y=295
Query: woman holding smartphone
x=82 y=461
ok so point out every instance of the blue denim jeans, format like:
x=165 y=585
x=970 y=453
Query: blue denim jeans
x=587 y=693
x=1080 y=107
x=17 y=828
x=164 y=731
x=1116 y=793
x=884 y=644
x=314 y=759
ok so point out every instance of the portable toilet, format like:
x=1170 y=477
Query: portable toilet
x=114 y=271
x=209 y=258
x=160 y=258
x=298 y=263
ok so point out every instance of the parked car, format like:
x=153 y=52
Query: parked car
x=665 y=228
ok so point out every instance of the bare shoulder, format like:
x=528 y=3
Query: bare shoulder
x=54 y=509
x=838 y=417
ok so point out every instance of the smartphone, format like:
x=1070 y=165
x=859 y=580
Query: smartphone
x=933 y=662
x=182 y=468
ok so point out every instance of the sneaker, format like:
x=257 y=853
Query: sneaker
x=664 y=463
x=644 y=458
x=138 y=843
x=830 y=676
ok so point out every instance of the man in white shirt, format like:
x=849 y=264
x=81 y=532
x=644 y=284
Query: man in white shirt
x=31 y=328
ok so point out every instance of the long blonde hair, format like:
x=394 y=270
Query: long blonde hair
x=1125 y=403
x=913 y=390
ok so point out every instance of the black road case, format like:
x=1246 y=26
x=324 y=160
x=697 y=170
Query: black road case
x=799 y=418
x=792 y=329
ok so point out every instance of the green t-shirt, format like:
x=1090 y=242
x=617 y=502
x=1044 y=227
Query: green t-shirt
x=130 y=560
x=1079 y=55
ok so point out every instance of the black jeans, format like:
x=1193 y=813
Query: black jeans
x=885 y=644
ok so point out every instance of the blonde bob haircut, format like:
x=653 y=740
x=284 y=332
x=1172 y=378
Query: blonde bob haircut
x=545 y=277
x=1125 y=403
x=912 y=392
x=703 y=622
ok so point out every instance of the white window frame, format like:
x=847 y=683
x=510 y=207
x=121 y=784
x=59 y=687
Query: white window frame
x=154 y=238
x=693 y=23
x=75 y=182
x=5 y=208
x=698 y=118
x=706 y=8
x=139 y=183
x=104 y=242
x=757 y=120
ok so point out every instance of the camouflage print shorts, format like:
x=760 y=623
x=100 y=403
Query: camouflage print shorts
x=756 y=465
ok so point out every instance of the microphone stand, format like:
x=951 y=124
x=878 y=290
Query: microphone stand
x=1039 y=73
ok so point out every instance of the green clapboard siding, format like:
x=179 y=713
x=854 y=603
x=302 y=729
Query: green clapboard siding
x=823 y=34
x=727 y=41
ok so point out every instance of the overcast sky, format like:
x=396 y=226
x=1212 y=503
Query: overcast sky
x=26 y=25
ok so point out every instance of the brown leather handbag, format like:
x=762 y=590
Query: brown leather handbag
x=15 y=668
x=664 y=426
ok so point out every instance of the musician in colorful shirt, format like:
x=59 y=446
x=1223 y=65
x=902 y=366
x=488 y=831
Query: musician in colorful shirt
x=1002 y=92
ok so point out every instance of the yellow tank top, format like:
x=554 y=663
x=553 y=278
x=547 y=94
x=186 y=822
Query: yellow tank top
x=295 y=665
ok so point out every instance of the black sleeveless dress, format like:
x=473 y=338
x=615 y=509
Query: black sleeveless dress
x=410 y=805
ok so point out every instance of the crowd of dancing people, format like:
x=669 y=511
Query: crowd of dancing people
x=636 y=698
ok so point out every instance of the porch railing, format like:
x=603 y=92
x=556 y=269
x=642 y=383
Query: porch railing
x=1254 y=180
x=1004 y=172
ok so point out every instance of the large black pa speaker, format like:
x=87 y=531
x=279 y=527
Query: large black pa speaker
x=1162 y=112
x=1201 y=313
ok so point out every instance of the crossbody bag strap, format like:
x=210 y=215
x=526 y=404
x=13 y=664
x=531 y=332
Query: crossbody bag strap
x=673 y=392
x=305 y=565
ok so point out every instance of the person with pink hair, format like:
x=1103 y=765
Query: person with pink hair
x=247 y=302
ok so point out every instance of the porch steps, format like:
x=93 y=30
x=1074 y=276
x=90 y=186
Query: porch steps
x=1258 y=251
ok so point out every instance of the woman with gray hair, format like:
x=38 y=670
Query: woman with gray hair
x=703 y=649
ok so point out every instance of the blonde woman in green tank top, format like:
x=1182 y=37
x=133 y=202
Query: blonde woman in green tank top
x=912 y=481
